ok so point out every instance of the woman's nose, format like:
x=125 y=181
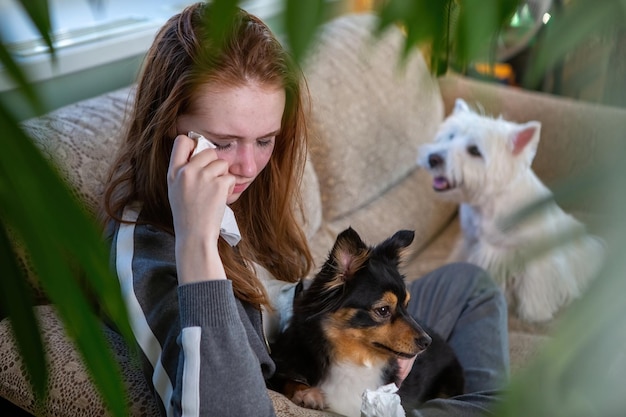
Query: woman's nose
x=245 y=163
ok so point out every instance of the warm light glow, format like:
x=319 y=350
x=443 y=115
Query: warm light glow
x=359 y=6
x=546 y=18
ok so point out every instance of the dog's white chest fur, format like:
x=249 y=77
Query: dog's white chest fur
x=485 y=165
x=345 y=383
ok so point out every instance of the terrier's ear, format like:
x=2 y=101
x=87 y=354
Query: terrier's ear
x=460 y=106
x=525 y=139
x=393 y=246
x=349 y=253
x=325 y=294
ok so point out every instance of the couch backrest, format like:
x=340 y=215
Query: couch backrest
x=82 y=140
x=370 y=113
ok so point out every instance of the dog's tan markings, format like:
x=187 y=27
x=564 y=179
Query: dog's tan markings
x=408 y=298
x=365 y=346
x=351 y=344
x=310 y=398
x=399 y=334
x=292 y=387
x=389 y=301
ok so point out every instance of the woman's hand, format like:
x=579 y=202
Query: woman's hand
x=197 y=191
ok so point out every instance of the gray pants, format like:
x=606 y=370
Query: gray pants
x=463 y=305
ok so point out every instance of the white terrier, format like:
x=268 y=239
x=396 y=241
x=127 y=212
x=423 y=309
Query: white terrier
x=485 y=164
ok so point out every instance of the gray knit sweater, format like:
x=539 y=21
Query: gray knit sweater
x=203 y=350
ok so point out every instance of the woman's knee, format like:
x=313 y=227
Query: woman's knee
x=455 y=294
x=459 y=280
x=459 y=274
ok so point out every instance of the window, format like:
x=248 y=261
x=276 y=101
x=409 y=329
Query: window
x=89 y=33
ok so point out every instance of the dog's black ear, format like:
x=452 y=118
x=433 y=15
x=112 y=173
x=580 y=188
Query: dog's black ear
x=349 y=253
x=346 y=257
x=392 y=247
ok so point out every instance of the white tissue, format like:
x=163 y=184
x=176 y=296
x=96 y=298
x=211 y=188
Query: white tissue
x=228 y=229
x=382 y=402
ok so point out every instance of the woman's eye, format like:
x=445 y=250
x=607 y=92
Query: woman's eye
x=223 y=146
x=265 y=142
x=474 y=151
x=383 y=311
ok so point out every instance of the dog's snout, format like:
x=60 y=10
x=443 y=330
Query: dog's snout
x=434 y=160
x=423 y=341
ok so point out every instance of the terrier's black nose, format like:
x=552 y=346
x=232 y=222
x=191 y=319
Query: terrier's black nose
x=434 y=160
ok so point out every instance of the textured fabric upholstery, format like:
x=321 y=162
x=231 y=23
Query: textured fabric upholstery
x=85 y=138
x=369 y=113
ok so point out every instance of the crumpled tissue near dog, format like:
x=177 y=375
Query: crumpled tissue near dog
x=382 y=402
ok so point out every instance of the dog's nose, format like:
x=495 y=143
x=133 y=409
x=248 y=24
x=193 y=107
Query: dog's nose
x=434 y=160
x=423 y=341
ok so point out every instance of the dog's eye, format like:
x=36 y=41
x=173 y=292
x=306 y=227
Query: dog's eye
x=383 y=311
x=474 y=151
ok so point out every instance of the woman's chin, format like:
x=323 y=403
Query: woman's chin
x=232 y=198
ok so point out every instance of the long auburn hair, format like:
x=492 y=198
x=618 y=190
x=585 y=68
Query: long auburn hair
x=183 y=56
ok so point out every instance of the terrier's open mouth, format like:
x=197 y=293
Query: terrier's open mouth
x=441 y=183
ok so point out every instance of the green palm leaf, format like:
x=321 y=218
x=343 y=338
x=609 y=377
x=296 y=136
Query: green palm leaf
x=59 y=236
x=301 y=21
x=61 y=240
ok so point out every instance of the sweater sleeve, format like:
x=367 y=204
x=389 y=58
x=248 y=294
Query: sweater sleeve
x=213 y=337
x=202 y=349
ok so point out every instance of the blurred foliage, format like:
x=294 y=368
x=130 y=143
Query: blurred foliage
x=453 y=31
x=572 y=25
x=578 y=372
x=39 y=213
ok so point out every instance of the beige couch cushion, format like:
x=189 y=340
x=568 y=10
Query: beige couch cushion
x=369 y=116
x=369 y=113
x=311 y=212
x=71 y=392
x=82 y=139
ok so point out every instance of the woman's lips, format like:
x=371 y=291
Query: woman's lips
x=239 y=188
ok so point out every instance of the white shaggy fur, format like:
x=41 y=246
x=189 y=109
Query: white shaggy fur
x=485 y=164
x=346 y=383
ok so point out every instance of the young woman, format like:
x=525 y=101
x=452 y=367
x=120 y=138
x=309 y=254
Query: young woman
x=195 y=301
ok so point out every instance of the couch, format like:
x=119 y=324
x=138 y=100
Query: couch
x=369 y=114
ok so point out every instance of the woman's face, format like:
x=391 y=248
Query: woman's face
x=242 y=122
